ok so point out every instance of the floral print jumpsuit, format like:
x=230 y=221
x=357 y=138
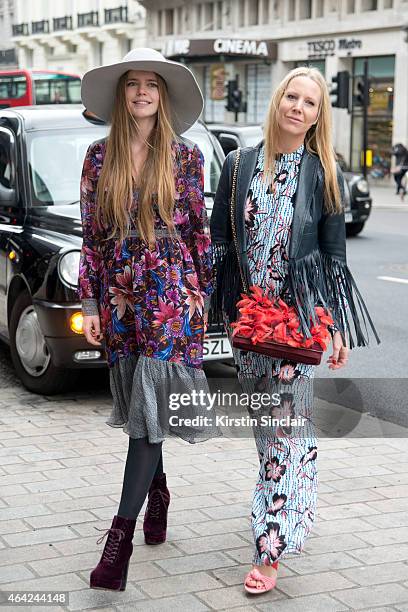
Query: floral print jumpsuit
x=284 y=499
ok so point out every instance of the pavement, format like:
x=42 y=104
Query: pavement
x=383 y=194
x=60 y=479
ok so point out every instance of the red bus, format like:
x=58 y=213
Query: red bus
x=28 y=87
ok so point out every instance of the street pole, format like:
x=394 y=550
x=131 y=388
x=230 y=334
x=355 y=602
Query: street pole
x=365 y=118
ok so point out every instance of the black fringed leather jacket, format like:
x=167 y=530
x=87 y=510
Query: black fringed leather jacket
x=317 y=271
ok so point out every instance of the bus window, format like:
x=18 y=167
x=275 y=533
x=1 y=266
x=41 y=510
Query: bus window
x=56 y=89
x=74 y=91
x=12 y=86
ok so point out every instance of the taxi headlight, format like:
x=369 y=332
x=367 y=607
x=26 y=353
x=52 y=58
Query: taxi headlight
x=362 y=186
x=76 y=322
x=68 y=268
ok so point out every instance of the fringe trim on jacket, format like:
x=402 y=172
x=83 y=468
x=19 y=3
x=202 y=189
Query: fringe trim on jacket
x=228 y=286
x=316 y=279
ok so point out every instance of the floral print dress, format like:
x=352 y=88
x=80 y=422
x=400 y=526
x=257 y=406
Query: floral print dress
x=284 y=499
x=151 y=301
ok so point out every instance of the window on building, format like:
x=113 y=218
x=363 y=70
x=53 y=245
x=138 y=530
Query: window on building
x=388 y=4
x=241 y=13
x=369 y=5
x=253 y=12
x=319 y=64
x=380 y=113
x=159 y=28
x=214 y=109
x=188 y=20
x=333 y=6
x=126 y=45
x=208 y=16
x=276 y=9
x=258 y=92
x=319 y=8
x=264 y=7
x=218 y=8
x=168 y=21
x=178 y=25
x=306 y=9
x=291 y=10
x=29 y=58
x=198 y=17
x=351 y=6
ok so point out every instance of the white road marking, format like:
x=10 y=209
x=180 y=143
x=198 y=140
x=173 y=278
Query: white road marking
x=393 y=279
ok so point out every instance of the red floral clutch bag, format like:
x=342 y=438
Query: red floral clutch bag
x=267 y=325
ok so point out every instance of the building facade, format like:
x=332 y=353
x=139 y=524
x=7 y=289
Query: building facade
x=259 y=41
x=76 y=35
x=8 y=56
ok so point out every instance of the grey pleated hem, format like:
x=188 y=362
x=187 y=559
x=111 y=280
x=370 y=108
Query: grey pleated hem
x=146 y=394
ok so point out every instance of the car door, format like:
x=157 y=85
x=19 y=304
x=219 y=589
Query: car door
x=10 y=215
x=229 y=142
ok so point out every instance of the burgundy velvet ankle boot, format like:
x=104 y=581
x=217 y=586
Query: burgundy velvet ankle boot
x=111 y=571
x=155 y=518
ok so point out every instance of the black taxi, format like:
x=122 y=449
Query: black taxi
x=41 y=155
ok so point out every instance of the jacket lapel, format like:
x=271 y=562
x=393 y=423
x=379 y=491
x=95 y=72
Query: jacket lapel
x=246 y=170
x=304 y=194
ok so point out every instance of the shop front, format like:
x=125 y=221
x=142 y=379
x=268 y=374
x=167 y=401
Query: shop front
x=217 y=61
x=381 y=72
x=387 y=121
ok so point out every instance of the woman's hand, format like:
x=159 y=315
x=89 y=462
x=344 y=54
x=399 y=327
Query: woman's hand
x=91 y=327
x=339 y=357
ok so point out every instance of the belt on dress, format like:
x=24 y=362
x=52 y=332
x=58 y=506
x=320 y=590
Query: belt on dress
x=159 y=233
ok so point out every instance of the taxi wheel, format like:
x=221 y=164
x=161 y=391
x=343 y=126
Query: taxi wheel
x=30 y=355
x=352 y=229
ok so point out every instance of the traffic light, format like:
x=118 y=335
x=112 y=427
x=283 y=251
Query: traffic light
x=362 y=97
x=340 y=89
x=234 y=99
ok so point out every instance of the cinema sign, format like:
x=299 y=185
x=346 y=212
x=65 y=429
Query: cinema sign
x=238 y=47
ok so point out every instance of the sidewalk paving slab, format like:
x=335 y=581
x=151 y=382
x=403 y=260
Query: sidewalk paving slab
x=58 y=488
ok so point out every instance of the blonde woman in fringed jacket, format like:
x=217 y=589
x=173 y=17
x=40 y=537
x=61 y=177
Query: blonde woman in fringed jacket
x=291 y=242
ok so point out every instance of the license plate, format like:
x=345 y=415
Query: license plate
x=348 y=217
x=217 y=348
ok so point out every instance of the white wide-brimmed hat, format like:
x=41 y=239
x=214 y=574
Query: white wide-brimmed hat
x=186 y=101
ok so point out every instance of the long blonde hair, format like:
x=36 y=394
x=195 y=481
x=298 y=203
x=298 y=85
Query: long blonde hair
x=318 y=139
x=116 y=183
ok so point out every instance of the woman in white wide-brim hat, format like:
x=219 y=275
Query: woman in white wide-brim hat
x=145 y=273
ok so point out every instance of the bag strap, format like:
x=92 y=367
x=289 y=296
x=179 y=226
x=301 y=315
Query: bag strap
x=232 y=213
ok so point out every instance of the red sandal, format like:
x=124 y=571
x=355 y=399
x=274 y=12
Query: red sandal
x=268 y=582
